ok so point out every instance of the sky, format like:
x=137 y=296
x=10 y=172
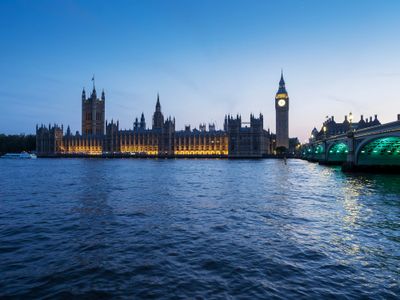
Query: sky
x=205 y=59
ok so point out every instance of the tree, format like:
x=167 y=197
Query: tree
x=17 y=143
x=281 y=150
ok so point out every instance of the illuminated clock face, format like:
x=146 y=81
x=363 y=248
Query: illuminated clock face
x=281 y=102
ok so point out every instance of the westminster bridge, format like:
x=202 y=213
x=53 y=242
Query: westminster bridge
x=376 y=147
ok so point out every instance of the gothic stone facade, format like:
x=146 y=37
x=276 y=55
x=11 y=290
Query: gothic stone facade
x=102 y=138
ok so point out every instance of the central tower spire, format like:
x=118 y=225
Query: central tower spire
x=158 y=105
x=282 y=88
x=158 y=118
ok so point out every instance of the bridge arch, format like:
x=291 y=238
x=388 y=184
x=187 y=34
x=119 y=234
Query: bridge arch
x=307 y=151
x=337 y=152
x=319 y=152
x=381 y=150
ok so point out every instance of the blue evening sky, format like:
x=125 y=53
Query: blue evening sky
x=205 y=58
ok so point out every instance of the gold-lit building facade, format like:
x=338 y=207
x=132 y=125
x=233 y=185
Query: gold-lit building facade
x=102 y=138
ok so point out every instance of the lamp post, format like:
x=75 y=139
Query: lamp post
x=324 y=142
x=350 y=142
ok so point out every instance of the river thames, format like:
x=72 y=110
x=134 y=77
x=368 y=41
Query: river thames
x=142 y=228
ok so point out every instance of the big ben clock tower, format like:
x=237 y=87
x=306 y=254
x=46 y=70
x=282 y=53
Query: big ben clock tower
x=282 y=115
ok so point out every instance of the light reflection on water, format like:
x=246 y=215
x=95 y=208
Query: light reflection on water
x=196 y=228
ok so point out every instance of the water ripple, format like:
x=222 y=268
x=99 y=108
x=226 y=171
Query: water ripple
x=178 y=229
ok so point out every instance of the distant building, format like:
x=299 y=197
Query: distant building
x=247 y=141
x=99 y=137
x=282 y=115
x=161 y=140
x=331 y=128
x=93 y=113
x=49 y=139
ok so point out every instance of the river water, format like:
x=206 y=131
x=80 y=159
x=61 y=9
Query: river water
x=141 y=228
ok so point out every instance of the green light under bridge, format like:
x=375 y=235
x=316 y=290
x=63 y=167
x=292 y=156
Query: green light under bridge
x=383 y=151
x=319 y=149
x=338 y=152
x=339 y=148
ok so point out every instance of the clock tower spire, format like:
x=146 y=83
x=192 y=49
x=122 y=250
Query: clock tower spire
x=282 y=115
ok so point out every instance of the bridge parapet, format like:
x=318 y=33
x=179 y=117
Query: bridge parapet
x=395 y=125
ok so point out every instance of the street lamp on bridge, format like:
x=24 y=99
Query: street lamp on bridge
x=351 y=118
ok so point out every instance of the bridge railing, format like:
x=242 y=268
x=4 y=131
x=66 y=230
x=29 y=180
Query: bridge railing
x=392 y=126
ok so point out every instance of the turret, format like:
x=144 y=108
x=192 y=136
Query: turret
x=376 y=121
x=256 y=124
x=361 y=123
x=158 y=118
x=103 y=96
x=226 y=123
x=94 y=94
x=83 y=94
x=142 y=122
x=136 y=124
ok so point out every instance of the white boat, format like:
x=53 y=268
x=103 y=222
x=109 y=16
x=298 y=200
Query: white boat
x=22 y=155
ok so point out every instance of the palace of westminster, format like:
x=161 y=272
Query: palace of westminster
x=102 y=138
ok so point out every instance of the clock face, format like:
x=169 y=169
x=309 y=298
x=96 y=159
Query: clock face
x=281 y=102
